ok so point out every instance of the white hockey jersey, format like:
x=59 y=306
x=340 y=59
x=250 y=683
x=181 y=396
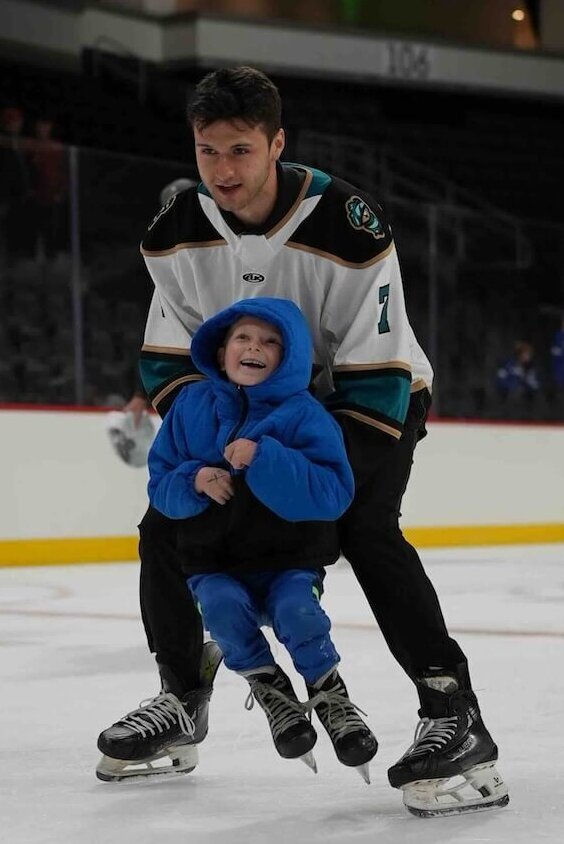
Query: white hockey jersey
x=328 y=248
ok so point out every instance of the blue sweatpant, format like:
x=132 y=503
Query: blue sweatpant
x=234 y=609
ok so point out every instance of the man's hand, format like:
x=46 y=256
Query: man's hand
x=137 y=405
x=240 y=453
x=214 y=482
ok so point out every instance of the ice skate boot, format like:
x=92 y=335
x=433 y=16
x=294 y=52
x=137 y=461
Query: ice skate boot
x=292 y=732
x=354 y=742
x=161 y=737
x=450 y=767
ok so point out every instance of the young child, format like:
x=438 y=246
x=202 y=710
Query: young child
x=257 y=468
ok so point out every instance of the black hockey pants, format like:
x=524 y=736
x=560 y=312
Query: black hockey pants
x=386 y=566
x=172 y=623
x=388 y=569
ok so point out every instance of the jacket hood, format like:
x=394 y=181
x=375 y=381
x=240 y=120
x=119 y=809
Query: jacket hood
x=294 y=372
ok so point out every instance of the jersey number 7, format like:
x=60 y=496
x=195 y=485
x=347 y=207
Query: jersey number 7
x=383 y=296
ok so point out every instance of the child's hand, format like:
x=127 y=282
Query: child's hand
x=214 y=482
x=240 y=453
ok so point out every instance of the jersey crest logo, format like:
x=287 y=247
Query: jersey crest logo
x=363 y=218
x=253 y=278
x=163 y=210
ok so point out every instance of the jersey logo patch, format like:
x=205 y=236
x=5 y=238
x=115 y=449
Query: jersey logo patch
x=363 y=218
x=163 y=210
x=253 y=278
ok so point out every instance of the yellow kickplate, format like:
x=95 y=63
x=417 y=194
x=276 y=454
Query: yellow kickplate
x=110 y=549
x=56 y=552
x=453 y=535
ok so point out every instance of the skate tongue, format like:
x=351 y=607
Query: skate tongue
x=441 y=683
x=326 y=680
x=435 y=694
x=264 y=674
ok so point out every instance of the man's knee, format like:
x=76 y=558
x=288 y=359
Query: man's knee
x=154 y=526
x=369 y=528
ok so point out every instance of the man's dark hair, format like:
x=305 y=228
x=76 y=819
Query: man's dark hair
x=237 y=93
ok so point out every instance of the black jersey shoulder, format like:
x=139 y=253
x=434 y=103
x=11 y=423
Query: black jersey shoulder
x=347 y=224
x=180 y=222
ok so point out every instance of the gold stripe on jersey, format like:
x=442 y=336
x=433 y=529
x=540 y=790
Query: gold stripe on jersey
x=290 y=213
x=204 y=244
x=185 y=379
x=369 y=420
x=336 y=260
x=371 y=367
x=419 y=384
x=167 y=350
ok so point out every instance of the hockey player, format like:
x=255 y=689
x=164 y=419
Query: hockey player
x=257 y=227
x=256 y=469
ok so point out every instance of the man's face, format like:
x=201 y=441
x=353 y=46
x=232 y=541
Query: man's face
x=237 y=164
x=252 y=351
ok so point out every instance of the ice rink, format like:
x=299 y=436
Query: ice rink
x=74 y=659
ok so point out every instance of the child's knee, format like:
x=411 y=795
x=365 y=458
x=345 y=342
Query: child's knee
x=223 y=603
x=298 y=612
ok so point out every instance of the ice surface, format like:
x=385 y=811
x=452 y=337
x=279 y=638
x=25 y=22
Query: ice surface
x=74 y=659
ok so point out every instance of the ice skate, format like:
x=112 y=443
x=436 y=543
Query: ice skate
x=161 y=736
x=292 y=732
x=450 y=767
x=354 y=743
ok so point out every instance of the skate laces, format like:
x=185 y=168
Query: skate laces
x=336 y=711
x=432 y=734
x=281 y=711
x=155 y=715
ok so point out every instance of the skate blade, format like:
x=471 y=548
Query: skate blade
x=364 y=772
x=172 y=762
x=460 y=809
x=477 y=790
x=309 y=760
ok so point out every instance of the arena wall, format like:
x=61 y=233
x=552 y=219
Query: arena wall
x=68 y=497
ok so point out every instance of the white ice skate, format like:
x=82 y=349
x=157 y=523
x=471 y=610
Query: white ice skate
x=477 y=789
x=451 y=766
x=174 y=760
x=161 y=736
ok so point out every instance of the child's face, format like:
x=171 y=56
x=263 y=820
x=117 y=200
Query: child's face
x=252 y=351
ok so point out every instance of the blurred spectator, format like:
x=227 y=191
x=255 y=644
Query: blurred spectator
x=15 y=184
x=49 y=172
x=518 y=381
x=557 y=357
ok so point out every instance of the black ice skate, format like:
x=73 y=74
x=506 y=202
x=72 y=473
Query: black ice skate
x=450 y=767
x=354 y=742
x=161 y=737
x=292 y=732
